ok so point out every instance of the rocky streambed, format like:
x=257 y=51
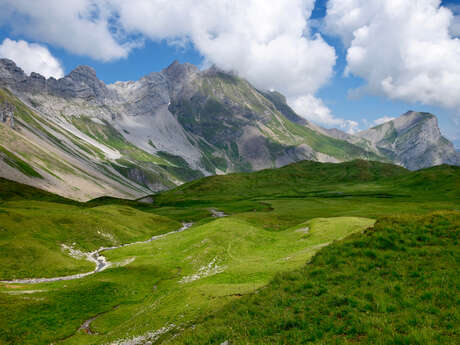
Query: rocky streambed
x=96 y=257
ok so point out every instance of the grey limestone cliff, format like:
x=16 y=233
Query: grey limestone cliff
x=412 y=140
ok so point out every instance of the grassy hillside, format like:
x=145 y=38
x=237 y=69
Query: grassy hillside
x=280 y=198
x=297 y=179
x=395 y=284
x=35 y=224
x=34 y=232
x=277 y=220
x=176 y=279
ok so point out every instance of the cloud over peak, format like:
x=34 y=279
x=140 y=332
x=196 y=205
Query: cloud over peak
x=314 y=109
x=31 y=57
x=267 y=42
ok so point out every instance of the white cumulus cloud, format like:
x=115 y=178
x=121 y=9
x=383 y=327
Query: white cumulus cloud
x=314 y=109
x=83 y=27
x=403 y=49
x=267 y=42
x=31 y=57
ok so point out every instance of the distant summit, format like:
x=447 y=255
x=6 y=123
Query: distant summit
x=413 y=140
x=85 y=138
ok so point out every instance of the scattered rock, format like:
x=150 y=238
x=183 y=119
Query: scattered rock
x=305 y=230
x=217 y=214
x=7 y=113
x=210 y=269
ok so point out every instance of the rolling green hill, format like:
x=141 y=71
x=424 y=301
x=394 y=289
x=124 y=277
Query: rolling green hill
x=246 y=266
x=395 y=284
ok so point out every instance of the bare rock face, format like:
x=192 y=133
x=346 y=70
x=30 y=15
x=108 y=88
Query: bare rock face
x=412 y=140
x=82 y=82
x=7 y=114
x=10 y=74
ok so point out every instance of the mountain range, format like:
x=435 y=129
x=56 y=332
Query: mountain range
x=81 y=138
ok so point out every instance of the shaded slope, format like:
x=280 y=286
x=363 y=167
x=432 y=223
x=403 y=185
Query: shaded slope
x=11 y=190
x=294 y=179
x=307 y=178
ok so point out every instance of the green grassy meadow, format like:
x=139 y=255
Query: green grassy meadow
x=397 y=283
x=297 y=259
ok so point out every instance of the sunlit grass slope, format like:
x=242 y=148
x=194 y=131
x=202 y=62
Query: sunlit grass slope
x=279 y=198
x=396 y=284
x=177 y=279
x=34 y=225
x=277 y=220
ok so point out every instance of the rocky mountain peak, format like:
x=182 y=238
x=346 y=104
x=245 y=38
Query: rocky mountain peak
x=413 y=140
x=83 y=82
x=411 y=119
x=84 y=74
x=10 y=65
x=10 y=73
x=38 y=76
x=177 y=71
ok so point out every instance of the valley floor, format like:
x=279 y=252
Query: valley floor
x=171 y=281
x=269 y=259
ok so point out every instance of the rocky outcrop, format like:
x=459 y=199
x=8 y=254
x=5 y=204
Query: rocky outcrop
x=82 y=82
x=413 y=140
x=7 y=114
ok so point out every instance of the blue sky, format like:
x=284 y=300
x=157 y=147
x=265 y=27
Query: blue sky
x=154 y=52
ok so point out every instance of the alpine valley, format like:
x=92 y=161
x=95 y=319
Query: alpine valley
x=191 y=208
x=81 y=138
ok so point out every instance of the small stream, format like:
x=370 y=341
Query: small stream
x=96 y=257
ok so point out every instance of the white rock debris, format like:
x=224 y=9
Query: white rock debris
x=305 y=230
x=75 y=253
x=107 y=236
x=94 y=256
x=124 y=262
x=23 y=292
x=149 y=337
x=217 y=214
x=210 y=269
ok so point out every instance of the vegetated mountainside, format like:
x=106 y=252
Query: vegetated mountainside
x=412 y=140
x=81 y=138
x=394 y=284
